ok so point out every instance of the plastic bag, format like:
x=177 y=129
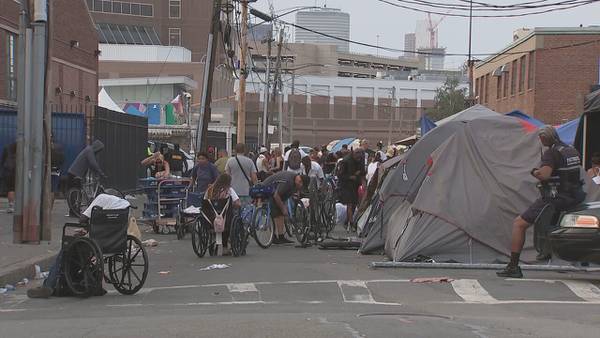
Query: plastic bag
x=133 y=229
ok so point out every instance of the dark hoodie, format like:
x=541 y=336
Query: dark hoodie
x=86 y=160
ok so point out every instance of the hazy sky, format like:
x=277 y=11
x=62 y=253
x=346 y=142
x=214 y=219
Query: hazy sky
x=369 y=18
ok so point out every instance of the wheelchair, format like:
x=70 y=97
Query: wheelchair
x=204 y=236
x=102 y=249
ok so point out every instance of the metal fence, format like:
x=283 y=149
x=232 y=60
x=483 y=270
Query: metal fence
x=125 y=140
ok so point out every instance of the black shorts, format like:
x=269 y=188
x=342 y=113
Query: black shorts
x=9 y=182
x=561 y=203
x=348 y=193
x=275 y=211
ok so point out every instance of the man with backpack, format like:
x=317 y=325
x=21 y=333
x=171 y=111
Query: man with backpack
x=293 y=158
x=242 y=171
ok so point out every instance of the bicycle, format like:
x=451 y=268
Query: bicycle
x=298 y=225
x=80 y=197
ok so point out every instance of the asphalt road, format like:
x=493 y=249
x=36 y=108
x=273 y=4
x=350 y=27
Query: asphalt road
x=291 y=292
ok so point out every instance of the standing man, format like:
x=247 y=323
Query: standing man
x=293 y=158
x=364 y=144
x=560 y=165
x=243 y=173
x=288 y=183
x=9 y=173
x=204 y=173
x=380 y=151
x=351 y=175
x=222 y=161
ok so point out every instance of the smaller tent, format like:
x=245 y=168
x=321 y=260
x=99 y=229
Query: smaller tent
x=568 y=130
x=338 y=146
x=426 y=124
x=523 y=116
x=105 y=101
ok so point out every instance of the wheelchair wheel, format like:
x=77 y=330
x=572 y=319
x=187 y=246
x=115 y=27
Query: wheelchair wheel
x=238 y=237
x=212 y=243
x=180 y=227
x=83 y=267
x=200 y=238
x=128 y=270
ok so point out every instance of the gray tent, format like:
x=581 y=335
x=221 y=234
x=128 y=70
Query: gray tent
x=476 y=183
x=403 y=182
x=587 y=141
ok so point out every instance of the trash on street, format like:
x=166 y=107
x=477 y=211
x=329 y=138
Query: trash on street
x=432 y=280
x=215 y=267
x=150 y=242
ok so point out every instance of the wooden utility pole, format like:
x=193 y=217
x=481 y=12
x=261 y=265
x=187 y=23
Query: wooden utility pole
x=265 y=119
x=276 y=81
x=241 y=118
x=209 y=69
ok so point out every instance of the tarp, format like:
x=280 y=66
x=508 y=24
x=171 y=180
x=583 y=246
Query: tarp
x=567 y=131
x=153 y=112
x=338 y=146
x=523 y=116
x=132 y=110
x=105 y=101
x=426 y=124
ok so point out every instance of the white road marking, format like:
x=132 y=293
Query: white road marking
x=365 y=297
x=472 y=292
x=501 y=302
x=12 y=310
x=195 y=304
x=242 y=287
x=584 y=290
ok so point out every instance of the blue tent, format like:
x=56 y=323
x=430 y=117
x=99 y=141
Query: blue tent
x=568 y=131
x=523 y=116
x=134 y=111
x=426 y=125
x=338 y=146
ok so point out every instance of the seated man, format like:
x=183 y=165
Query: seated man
x=159 y=167
x=106 y=202
x=288 y=183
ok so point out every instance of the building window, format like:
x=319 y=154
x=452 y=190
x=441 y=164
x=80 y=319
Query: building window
x=498 y=87
x=174 y=36
x=522 y=74
x=121 y=7
x=11 y=63
x=486 y=95
x=175 y=9
x=505 y=84
x=127 y=34
x=531 y=70
x=513 y=78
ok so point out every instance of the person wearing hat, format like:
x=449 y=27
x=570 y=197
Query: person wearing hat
x=561 y=166
x=262 y=164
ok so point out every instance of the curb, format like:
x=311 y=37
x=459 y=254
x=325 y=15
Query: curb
x=26 y=269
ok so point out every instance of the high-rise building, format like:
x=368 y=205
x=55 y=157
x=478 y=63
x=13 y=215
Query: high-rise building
x=410 y=45
x=433 y=58
x=330 y=21
x=422 y=36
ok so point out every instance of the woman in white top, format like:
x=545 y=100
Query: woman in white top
x=372 y=168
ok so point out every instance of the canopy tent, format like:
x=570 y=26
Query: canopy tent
x=587 y=141
x=332 y=144
x=105 y=101
x=426 y=124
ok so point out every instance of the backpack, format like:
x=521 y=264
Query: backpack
x=294 y=159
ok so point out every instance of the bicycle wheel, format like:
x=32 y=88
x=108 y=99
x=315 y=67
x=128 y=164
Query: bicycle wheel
x=77 y=201
x=328 y=215
x=263 y=228
x=300 y=218
x=199 y=238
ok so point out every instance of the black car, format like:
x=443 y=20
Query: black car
x=577 y=237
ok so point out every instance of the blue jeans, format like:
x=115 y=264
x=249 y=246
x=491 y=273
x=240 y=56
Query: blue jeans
x=50 y=282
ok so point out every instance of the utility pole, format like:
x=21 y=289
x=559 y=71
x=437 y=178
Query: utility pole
x=392 y=115
x=265 y=119
x=209 y=68
x=470 y=60
x=241 y=118
x=291 y=122
x=276 y=81
x=27 y=221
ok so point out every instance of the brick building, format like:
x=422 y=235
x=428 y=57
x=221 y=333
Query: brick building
x=544 y=72
x=73 y=63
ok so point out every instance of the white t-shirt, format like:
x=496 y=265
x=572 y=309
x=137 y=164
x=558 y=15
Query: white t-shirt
x=315 y=170
x=106 y=202
x=287 y=154
x=382 y=155
x=260 y=163
x=371 y=169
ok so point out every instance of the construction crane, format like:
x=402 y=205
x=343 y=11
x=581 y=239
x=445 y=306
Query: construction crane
x=432 y=29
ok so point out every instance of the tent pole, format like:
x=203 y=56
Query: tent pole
x=584 y=143
x=477 y=266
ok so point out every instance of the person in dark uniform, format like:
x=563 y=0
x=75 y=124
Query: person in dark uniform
x=351 y=175
x=559 y=174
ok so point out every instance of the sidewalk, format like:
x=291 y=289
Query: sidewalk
x=17 y=261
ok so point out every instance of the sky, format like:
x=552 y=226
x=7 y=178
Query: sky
x=369 y=18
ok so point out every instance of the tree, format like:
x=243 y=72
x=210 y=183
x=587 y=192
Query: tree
x=449 y=100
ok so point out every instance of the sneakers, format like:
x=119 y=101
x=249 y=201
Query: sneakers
x=543 y=256
x=510 y=272
x=282 y=240
x=11 y=208
x=40 y=292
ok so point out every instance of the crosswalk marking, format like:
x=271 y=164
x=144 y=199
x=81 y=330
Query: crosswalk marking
x=584 y=290
x=472 y=292
x=242 y=287
x=362 y=297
